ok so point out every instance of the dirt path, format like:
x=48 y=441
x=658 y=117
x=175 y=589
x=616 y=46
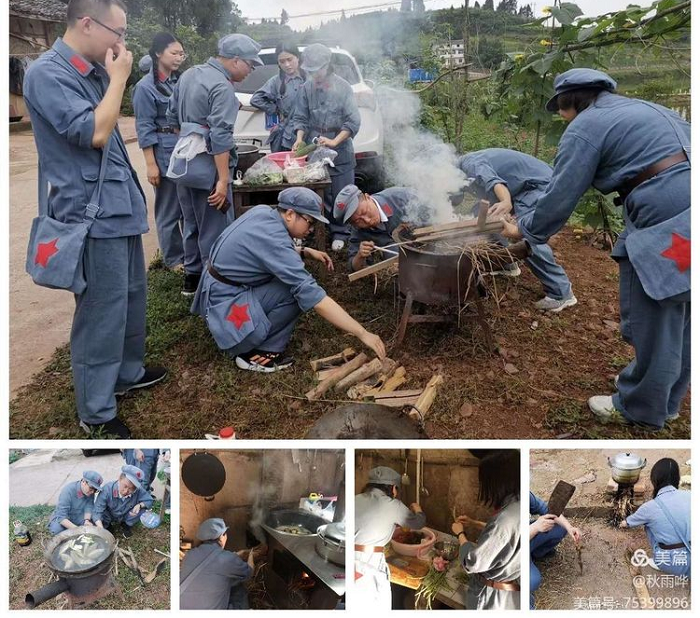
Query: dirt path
x=41 y=318
x=606 y=582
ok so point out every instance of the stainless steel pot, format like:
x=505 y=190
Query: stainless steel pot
x=291 y=518
x=626 y=468
x=330 y=543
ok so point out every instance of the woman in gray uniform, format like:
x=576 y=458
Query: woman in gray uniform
x=493 y=560
x=377 y=511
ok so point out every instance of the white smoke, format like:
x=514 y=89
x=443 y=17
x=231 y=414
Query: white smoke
x=416 y=158
x=264 y=498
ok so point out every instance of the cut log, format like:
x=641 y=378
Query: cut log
x=333 y=361
x=359 y=391
x=449 y=227
x=414 y=392
x=426 y=398
x=365 y=372
x=375 y=268
x=389 y=385
x=336 y=376
x=398 y=402
x=483 y=213
x=490 y=227
x=324 y=373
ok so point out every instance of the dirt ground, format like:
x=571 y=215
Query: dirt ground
x=536 y=387
x=28 y=569
x=606 y=582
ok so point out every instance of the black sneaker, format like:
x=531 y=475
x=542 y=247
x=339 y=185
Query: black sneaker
x=190 y=284
x=114 y=429
x=151 y=376
x=266 y=362
x=127 y=531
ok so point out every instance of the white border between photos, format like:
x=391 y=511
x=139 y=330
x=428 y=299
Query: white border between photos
x=350 y=447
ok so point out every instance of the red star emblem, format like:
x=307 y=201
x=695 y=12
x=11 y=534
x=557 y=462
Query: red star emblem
x=79 y=64
x=679 y=252
x=44 y=252
x=341 y=205
x=238 y=315
x=388 y=210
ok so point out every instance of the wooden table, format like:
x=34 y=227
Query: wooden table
x=247 y=196
x=411 y=575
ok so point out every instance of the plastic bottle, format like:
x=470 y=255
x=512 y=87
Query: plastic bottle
x=225 y=433
x=22 y=535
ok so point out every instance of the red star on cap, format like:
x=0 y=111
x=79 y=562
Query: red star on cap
x=679 y=252
x=238 y=315
x=341 y=205
x=44 y=252
x=388 y=210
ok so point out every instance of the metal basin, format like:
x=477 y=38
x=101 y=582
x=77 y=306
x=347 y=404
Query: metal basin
x=360 y=421
x=294 y=518
x=74 y=533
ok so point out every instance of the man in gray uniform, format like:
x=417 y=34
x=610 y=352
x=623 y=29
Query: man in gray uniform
x=256 y=286
x=377 y=511
x=210 y=576
x=122 y=501
x=73 y=94
x=204 y=102
x=75 y=503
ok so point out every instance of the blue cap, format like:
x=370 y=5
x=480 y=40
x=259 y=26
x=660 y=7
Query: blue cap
x=241 y=46
x=346 y=203
x=575 y=79
x=94 y=479
x=302 y=200
x=382 y=475
x=315 y=57
x=134 y=474
x=145 y=64
x=211 y=529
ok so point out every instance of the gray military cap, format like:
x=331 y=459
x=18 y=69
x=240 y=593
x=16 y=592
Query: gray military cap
x=241 y=46
x=211 y=529
x=575 y=79
x=302 y=200
x=94 y=479
x=315 y=57
x=145 y=64
x=382 y=475
x=346 y=203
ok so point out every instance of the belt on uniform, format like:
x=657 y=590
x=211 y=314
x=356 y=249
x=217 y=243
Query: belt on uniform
x=651 y=171
x=213 y=272
x=167 y=130
x=674 y=546
x=509 y=586
x=369 y=549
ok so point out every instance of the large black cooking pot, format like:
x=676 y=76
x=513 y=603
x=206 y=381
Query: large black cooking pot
x=364 y=421
x=247 y=155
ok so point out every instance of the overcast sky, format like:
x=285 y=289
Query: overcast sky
x=273 y=8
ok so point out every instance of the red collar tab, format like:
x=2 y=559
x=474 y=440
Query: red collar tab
x=115 y=491
x=80 y=64
x=80 y=493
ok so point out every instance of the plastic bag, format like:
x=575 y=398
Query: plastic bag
x=263 y=172
x=323 y=154
x=315 y=172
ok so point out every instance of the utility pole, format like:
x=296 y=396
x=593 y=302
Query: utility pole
x=465 y=34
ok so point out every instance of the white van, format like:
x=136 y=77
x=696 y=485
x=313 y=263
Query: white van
x=368 y=143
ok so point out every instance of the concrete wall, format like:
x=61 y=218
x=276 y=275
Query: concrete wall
x=250 y=474
x=451 y=478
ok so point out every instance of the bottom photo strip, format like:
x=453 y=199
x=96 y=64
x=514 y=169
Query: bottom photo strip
x=351 y=529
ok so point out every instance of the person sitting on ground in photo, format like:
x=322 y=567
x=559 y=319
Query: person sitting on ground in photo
x=373 y=219
x=378 y=510
x=492 y=561
x=122 y=501
x=666 y=519
x=546 y=532
x=212 y=577
x=75 y=503
x=146 y=460
x=256 y=287
x=278 y=95
x=512 y=182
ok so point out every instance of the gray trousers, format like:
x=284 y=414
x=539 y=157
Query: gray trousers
x=282 y=310
x=108 y=336
x=552 y=276
x=652 y=386
x=203 y=224
x=168 y=215
x=340 y=178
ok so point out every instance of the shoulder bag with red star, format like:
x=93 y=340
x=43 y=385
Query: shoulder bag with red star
x=660 y=255
x=55 y=251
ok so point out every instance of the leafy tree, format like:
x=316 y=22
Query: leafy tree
x=508 y=6
x=488 y=5
x=284 y=18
